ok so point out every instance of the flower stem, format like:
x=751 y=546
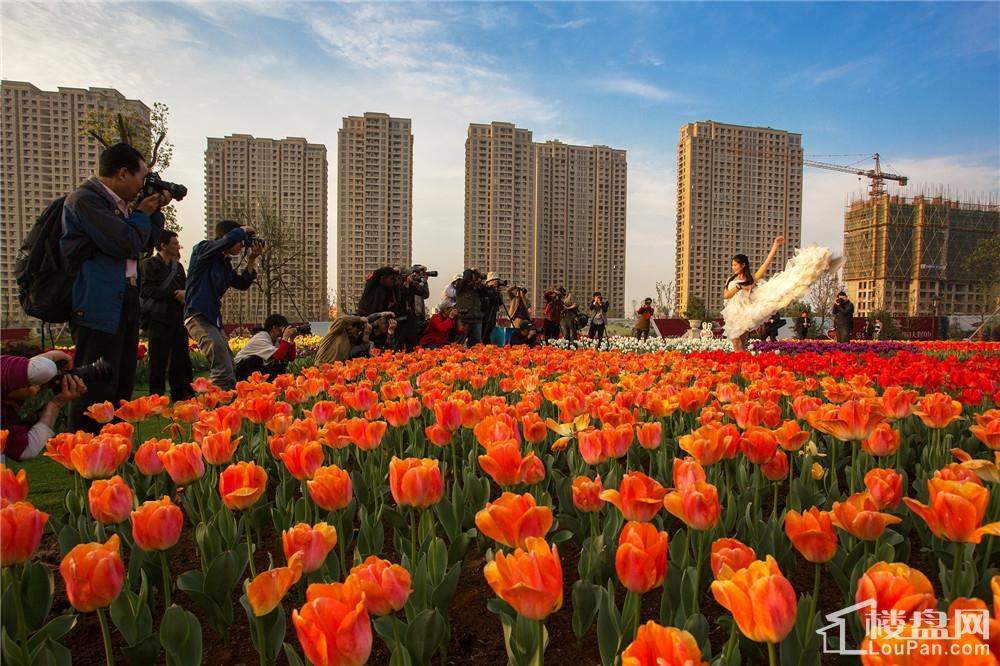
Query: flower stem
x=413 y=537
x=108 y=657
x=165 y=569
x=697 y=571
x=246 y=525
x=956 y=569
x=19 y=604
x=812 y=605
x=772 y=655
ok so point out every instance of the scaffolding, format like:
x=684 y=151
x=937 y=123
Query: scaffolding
x=906 y=255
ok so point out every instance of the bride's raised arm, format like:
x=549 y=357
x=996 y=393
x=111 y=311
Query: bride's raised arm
x=770 y=257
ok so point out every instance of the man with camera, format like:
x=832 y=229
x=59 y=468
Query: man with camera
x=552 y=312
x=22 y=378
x=210 y=275
x=598 y=318
x=162 y=313
x=102 y=242
x=469 y=303
x=843 y=317
x=413 y=313
x=491 y=298
x=270 y=349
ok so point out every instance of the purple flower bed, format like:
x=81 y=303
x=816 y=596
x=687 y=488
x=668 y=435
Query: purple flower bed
x=820 y=346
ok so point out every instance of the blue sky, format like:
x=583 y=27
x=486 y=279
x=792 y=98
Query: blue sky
x=918 y=82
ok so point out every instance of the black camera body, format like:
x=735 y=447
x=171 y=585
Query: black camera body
x=154 y=184
x=253 y=241
x=98 y=371
x=304 y=329
x=431 y=273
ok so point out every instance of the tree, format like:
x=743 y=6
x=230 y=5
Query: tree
x=821 y=296
x=280 y=268
x=983 y=262
x=696 y=310
x=666 y=299
x=109 y=126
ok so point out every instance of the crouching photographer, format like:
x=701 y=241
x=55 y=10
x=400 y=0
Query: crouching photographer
x=23 y=377
x=270 y=349
x=349 y=336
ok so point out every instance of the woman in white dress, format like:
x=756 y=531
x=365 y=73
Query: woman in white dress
x=750 y=300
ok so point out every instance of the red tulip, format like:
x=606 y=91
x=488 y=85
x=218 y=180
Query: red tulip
x=641 y=558
x=110 y=501
x=21 y=528
x=13 y=487
x=93 y=574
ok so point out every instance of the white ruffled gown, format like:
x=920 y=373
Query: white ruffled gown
x=745 y=311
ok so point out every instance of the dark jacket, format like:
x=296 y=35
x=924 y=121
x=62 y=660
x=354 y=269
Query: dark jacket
x=468 y=302
x=843 y=314
x=96 y=241
x=211 y=274
x=552 y=310
x=491 y=299
x=166 y=309
x=802 y=326
x=377 y=297
x=599 y=312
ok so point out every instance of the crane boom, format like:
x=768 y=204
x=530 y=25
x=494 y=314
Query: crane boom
x=877 y=176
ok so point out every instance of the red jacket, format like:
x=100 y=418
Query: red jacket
x=13 y=376
x=438 y=331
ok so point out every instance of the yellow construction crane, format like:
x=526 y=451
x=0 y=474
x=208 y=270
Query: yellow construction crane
x=877 y=176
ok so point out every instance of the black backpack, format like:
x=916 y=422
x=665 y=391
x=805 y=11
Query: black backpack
x=44 y=281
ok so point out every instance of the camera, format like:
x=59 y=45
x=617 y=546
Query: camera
x=304 y=329
x=154 y=184
x=503 y=283
x=431 y=273
x=98 y=371
x=253 y=241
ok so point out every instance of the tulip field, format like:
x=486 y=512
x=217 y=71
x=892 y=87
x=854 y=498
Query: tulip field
x=517 y=506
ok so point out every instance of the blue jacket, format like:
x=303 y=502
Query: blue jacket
x=211 y=274
x=96 y=241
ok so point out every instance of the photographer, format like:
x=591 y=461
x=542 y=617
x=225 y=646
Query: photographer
x=469 y=303
x=552 y=312
x=349 y=337
x=772 y=326
x=568 y=317
x=269 y=350
x=843 y=317
x=802 y=324
x=492 y=300
x=210 y=276
x=380 y=293
x=23 y=378
x=414 y=291
x=161 y=306
x=643 y=319
x=102 y=242
x=440 y=330
x=598 y=318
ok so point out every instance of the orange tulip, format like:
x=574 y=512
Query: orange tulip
x=141 y=408
x=775 y=469
x=758 y=444
x=850 y=421
x=120 y=428
x=156 y=524
x=496 y=428
x=956 y=510
x=711 y=443
x=511 y=519
x=885 y=487
x=448 y=414
x=533 y=427
x=937 y=410
x=327 y=410
x=591 y=445
x=267 y=590
x=21 y=528
x=655 y=645
x=987 y=432
x=587 y=494
x=397 y=413
x=415 y=482
x=93 y=574
x=60 y=447
x=187 y=411
x=183 y=463
x=638 y=497
x=98 y=458
x=730 y=555
x=13 y=487
x=333 y=626
x=804 y=404
x=883 y=441
x=692 y=398
x=504 y=463
x=331 y=488
x=218 y=448
x=697 y=505
x=897 y=402
x=687 y=471
x=110 y=500
x=303 y=458
x=530 y=579
x=437 y=434
x=894 y=587
x=386 y=586
x=641 y=559
x=812 y=534
x=859 y=516
x=366 y=435
x=314 y=542
x=101 y=412
x=748 y=414
x=760 y=599
x=791 y=436
x=649 y=435
x=147 y=456
x=242 y=484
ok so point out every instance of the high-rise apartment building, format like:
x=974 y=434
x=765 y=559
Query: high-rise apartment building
x=374 y=200
x=546 y=214
x=278 y=185
x=44 y=154
x=499 y=186
x=907 y=255
x=579 y=217
x=738 y=188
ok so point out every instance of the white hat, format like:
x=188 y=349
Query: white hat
x=456 y=276
x=41 y=369
x=492 y=276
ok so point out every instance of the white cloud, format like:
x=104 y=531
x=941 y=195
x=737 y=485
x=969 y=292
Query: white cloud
x=637 y=88
x=575 y=24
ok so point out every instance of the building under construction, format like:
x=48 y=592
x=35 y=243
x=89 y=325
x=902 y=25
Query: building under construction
x=907 y=255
